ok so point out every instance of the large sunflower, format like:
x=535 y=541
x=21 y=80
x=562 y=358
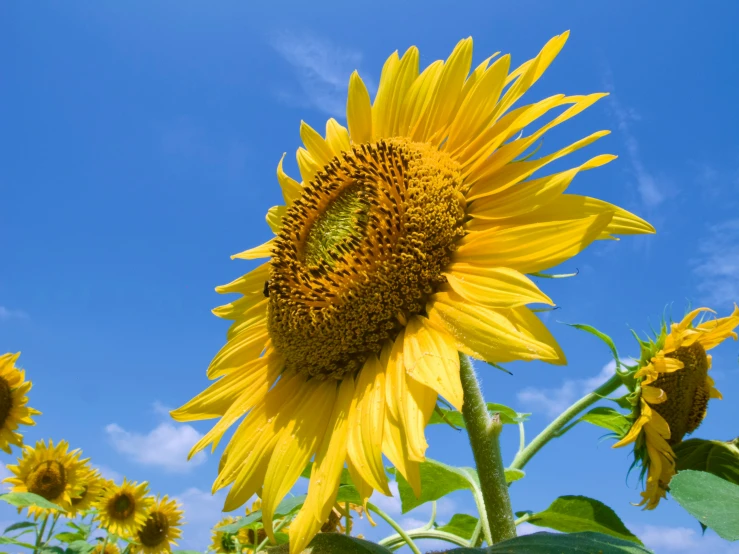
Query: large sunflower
x=52 y=472
x=122 y=509
x=671 y=395
x=13 y=400
x=91 y=486
x=408 y=240
x=161 y=528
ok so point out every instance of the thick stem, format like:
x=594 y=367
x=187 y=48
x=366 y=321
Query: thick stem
x=398 y=529
x=483 y=433
x=524 y=455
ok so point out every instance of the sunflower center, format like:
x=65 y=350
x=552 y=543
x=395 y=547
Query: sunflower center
x=227 y=542
x=154 y=532
x=6 y=401
x=686 y=391
x=360 y=252
x=123 y=505
x=48 y=479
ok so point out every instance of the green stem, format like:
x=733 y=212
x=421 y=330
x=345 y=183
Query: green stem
x=483 y=433
x=40 y=532
x=524 y=455
x=394 y=541
x=475 y=538
x=279 y=526
x=398 y=529
x=51 y=529
x=348 y=528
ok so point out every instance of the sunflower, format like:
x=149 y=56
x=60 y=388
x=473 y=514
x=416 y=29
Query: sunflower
x=161 y=528
x=52 y=472
x=92 y=484
x=408 y=240
x=109 y=548
x=223 y=542
x=671 y=395
x=13 y=400
x=122 y=509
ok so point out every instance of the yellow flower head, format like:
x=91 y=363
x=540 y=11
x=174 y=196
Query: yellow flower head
x=122 y=509
x=13 y=400
x=408 y=239
x=91 y=486
x=110 y=548
x=672 y=392
x=161 y=528
x=223 y=542
x=49 y=471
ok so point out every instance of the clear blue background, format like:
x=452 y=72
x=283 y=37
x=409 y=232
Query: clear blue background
x=138 y=151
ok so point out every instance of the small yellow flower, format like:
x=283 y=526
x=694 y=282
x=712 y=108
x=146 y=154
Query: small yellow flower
x=408 y=238
x=92 y=484
x=49 y=471
x=672 y=393
x=122 y=509
x=161 y=528
x=110 y=548
x=13 y=400
x=223 y=542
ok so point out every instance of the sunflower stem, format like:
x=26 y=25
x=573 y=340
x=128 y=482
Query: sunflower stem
x=395 y=541
x=51 y=529
x=40 y=532
x=552 y=430
x=483 y=432
x=394 y=524
x=348 y=528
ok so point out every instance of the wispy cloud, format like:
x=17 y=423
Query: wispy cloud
x=717 y=266
x=202 y=511
x=322 y=70
x=681 y=539
x=651 y=191
x=554 y=401
x=166 y=446
x=7 y=313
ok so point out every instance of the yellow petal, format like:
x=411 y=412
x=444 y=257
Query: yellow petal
x=416 y=411
x=252 y=317
x=653 y=395
x=297 y=443
x=261 y=251
x=307 y=165
x=431 y=357
x=381 y=105
x=528 y=323
x=274 y=218
x=493 y=287
x=407 y=73
x=252 y=282
x=358 y=111
x=291 y=189
x=483 y=333
x=325 y=474
x=533 y=247
x=395 y=448
x=318 y=149
x=508 y=201
x=337 y=137
x=718 y=330
x=367 y=420
x=363 y=488
x=417 y=99
x=239 y=351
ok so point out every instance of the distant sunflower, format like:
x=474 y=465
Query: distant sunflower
x=122 y=509
x=672 y=392
x=161 y=528
x=48 y=471
x=13 y=400
x=408 y=240
x=110 y=548
x=222 y=541
x=92 y=484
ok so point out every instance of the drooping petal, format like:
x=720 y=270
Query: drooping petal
x=274 y=218
x=291 y=189
x=252 y=282
x=239 y=351
x=493 y=287
x=261 y=251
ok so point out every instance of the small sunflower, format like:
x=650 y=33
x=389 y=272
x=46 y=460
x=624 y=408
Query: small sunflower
x=52 y=472
x=122 y=509
x=409 y=239
x=671 y=395
x=13 y=400
x=92 y=484
x=110 y=548
x=223 y=542
x=161 y=528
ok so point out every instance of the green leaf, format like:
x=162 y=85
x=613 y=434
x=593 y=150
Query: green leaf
x=69 y=537
x=608 y=418
x=462 y=525
x=54 y=549
x=437 y=480
x=335 y=543
x=556 y=543
x=19 y=525
x=81 y=546
x=8 y=540
x=81 y=527
x=717 y=457
x=573 y=514
x=710 y=499
x=25 y=499
x=602 y=336
x=246 y=520
x=508 y=416
x=348 y=493
x=512 y=475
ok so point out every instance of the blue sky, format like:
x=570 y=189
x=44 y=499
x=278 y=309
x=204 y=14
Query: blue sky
x=139 y=148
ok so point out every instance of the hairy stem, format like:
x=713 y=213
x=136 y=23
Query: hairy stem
x=395 y=541
x=483 y=433
x=551 y=431
x=398 y=529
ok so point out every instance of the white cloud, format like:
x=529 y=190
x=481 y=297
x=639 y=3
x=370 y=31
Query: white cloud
x=109 y=473
x=323 y=70
x=682 y=539
x=166 y=446
x=202 y=511
x=651 y=192
x=717 y=267
x=388 y=504
x=555 y=400
x=6 y=314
